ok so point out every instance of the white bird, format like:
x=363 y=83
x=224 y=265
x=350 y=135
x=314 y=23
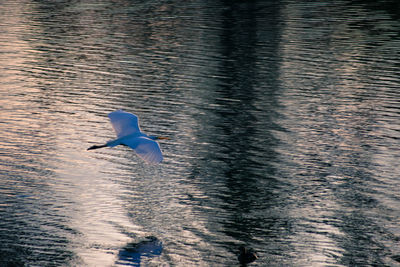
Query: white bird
x=126 y=126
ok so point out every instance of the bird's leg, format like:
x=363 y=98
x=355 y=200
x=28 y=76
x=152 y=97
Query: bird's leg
x=96 y=146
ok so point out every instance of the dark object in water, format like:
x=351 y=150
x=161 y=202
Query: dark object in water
x=246 y=255
x=133 y=253
x=396 y=258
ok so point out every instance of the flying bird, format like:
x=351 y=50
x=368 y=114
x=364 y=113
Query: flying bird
x=126 y=126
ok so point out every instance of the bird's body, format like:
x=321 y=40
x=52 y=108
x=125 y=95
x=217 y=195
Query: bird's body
x=126 y=126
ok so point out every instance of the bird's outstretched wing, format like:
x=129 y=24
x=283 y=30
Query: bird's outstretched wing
x=124 y=123
x=148 y=149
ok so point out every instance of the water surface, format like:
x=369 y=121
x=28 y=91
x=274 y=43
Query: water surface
x=283 y=121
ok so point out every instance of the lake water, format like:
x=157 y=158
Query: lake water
x=283 y=120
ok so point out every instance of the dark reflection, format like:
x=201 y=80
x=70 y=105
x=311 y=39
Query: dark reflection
x=237 y=121
x=390 y=6
x=32 y=229
x=133 y=253
x=396 y=258
x=239 y=170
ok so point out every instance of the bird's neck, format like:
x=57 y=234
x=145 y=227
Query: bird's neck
x=114 y=143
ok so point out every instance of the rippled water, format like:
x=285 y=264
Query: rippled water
x=283 y=119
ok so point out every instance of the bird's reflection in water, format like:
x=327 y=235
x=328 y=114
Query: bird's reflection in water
x=133 y=253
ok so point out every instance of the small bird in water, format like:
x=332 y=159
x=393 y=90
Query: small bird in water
x=126 y=126
x=246 y=255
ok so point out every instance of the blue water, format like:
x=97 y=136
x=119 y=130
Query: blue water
x=282 y=118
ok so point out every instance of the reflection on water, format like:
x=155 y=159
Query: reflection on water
x=134 y=253
x=282 y=118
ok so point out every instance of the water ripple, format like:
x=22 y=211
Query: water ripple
x=282 y=119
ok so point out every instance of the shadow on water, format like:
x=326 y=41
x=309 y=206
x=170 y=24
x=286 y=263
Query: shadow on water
x=237 y=123
x=134 y=253
x=390 y=6
x=238 y=169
